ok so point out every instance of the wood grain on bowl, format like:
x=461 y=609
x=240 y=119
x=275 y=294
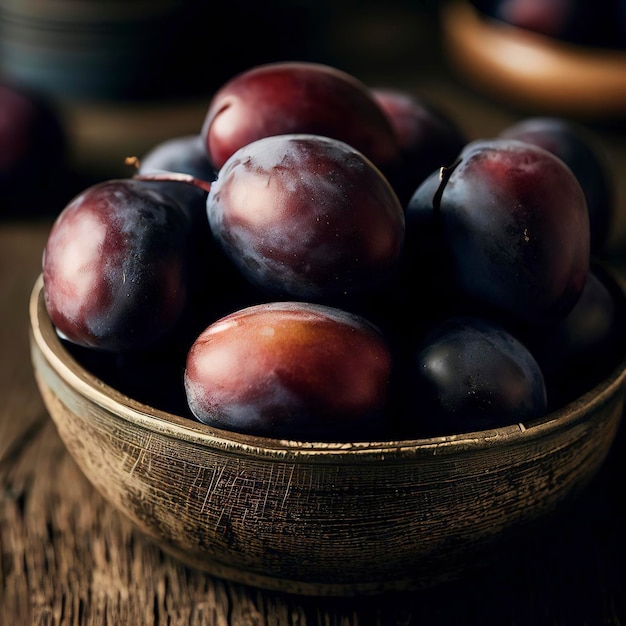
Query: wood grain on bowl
x=320 y=519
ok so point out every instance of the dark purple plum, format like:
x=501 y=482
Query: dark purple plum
x=291 y=370
x=581 y=152
x=306 y=217
x=424 y=235
x=297 y=97
x=471 y=374
x=513 y=230
x=580 y=350
x=115 y=266
x=218 y=286
x=185 y=155
x=428 y=137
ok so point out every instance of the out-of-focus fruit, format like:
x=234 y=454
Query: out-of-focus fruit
x=581 y=22
x=471 y=374
x=184 y=154
x=33 y=148
x=115 y=266
x=293 y=97
x=306 y=216
x=428 y=138
x=575 y=145
x=290 y=370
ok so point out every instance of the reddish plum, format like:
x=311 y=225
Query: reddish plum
x=428 y=138
x=293 y=97
x=115 y=266
x=290 y=370
x=306 y=216
x=581 y=152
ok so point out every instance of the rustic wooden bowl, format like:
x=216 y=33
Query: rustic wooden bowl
x=332 y=519
x=532 y=71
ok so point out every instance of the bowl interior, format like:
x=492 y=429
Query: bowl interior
x=313 y=517
x=186 y=429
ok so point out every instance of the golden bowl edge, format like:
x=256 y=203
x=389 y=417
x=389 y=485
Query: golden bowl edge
x=531 y=70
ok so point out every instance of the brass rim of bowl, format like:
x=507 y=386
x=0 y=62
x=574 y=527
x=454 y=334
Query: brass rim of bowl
x=527 y=66
x=181 y=428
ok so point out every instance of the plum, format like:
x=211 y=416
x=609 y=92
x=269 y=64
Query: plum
x=471 y=374
x=512 y=227
x=34 y=167
x=290 y=370
x=578 y=148
x=579 y=22
x=184 y=154
x=115 y=266
x=306 y=217
x=428 y=137
x=583 y=347
x=297 y=97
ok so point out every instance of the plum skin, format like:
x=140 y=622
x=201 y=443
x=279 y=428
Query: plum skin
x=290 y=370
x=307 y=217
x=471 y=374
x=428 y=138
x=296 y=97
x=115 y=267
x=186 y=155
x=573 y=21
x=582 y=348
x=514 y=221
x=577 y=148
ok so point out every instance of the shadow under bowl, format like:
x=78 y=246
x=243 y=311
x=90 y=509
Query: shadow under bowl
x=320 y=518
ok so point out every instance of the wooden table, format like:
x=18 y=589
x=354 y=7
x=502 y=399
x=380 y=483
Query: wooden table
x=68 y=558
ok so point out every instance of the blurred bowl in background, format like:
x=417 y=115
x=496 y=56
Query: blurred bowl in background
x=96 y=49
x=155 y=49
x=531 y=71
x=128 y=75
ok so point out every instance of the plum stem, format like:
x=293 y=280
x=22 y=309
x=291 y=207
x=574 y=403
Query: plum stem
x=444 y=177
x=165 y=176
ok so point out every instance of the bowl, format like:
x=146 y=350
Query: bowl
x=96 y=50
x=533 y=71
x=321 y=518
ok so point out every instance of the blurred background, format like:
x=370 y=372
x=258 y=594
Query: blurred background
x=127 y=74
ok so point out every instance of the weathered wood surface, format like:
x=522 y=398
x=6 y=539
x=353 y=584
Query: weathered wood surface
x=67 y=557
